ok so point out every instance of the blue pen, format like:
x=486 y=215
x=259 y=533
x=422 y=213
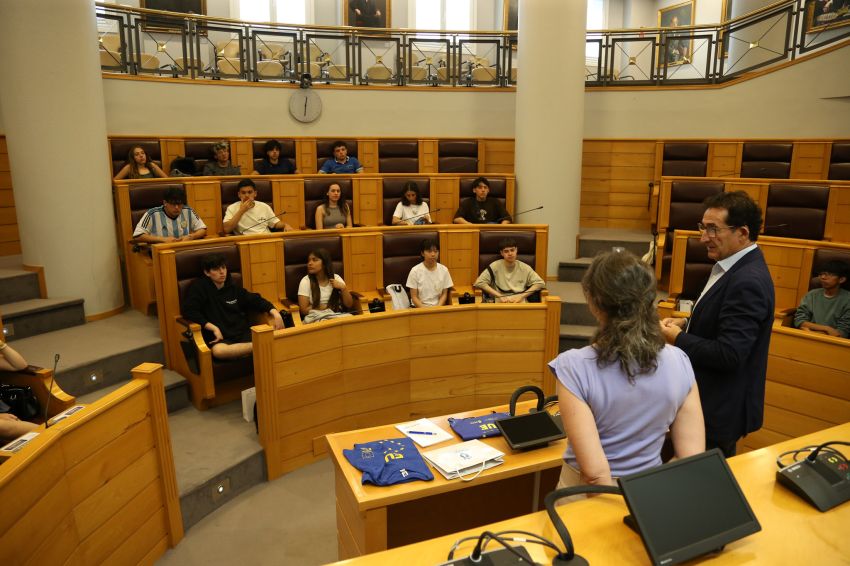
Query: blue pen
x=421 y=432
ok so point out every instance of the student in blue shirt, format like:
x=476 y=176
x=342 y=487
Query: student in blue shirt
x=341 y=162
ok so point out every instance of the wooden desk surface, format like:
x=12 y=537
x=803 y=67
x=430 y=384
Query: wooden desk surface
x=371 y=497
x=792 y=530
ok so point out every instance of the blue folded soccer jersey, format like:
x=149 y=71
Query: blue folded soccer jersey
x=388 y=462
x=472 y=428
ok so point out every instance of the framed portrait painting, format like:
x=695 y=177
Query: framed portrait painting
x=675 y=50
x=366 y=13
x=826 y=14
x=510 y=15
x=152 y=23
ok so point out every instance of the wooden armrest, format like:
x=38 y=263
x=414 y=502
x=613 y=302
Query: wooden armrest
x=39 y=380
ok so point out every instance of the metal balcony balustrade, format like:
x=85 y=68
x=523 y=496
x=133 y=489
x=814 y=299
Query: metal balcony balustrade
x=167 y=44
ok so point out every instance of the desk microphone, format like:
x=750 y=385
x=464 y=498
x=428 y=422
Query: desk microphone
x=420 y=216
x=50 y=389
x=263 y=221
x=518 y=214
x=569 y=555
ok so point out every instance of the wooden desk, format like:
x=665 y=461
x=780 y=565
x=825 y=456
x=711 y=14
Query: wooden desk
x=371 y=518
x=792 y=530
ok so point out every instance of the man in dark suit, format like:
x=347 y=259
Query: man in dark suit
x=728 y=333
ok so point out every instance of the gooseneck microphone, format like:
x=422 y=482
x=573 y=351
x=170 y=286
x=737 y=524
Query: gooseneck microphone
x=50 y=389
x=263 y=221
x=518 y=214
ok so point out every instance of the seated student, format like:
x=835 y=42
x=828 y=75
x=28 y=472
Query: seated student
x=480 y=209
x=341 y=162
x=251 y=216
x=620 y=395
x=171 y=222
x=429 y=282
x=334 y=211
x=272 y=163
x=221 y=308
x=827 y=309
x=221 y=165
x=509 y=280
x=411 y=209
x=138 y=166
x=12 y=427
x=322 y=294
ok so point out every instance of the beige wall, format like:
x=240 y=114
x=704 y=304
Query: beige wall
x=811 y=99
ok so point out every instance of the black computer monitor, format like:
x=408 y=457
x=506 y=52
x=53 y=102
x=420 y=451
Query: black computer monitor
x=688 y=507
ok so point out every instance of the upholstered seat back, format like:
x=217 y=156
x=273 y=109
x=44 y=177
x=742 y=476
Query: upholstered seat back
x=684 y=159
x=315 y=190
x=120 y=148
x=230 y=193
x=821 y=257
x=145 y=197
x=201 y=151
x=188 y=265
x=457 y=156
x=686 y=208
x=287 y=151
x=325 y=150
x=295 y=252
x=394 y=193
x=398 y=156
x=488 y=246
x=766 y=160
x=401 y=253
x=839 y=161
x=498 y=188
x=796 y=211
x=697 y=269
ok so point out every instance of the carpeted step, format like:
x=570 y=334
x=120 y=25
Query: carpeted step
x=31 y=317
x=17 y=285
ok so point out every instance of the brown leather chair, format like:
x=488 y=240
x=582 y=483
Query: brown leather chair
x=398 y=156
x=315 y=190
x=839 y=161
x=295 y=252
x=686 y=210
x=201 y=151
x=230 y=193
x=325 y=150
x=684 y=159
x=823 y=255
x=394 y=192
x=766 y=160
x=697 y=269
x=120 y=148
x=401 y=253
x=287 y=151
x=796 y=211
x=145 y=197
x=488 y=246
x=207 y=371
x=498 y=189
x=457 y=156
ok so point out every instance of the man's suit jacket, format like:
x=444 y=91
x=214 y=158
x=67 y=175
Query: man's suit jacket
x=727 y=341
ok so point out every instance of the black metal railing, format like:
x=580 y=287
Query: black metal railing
x=139 y=42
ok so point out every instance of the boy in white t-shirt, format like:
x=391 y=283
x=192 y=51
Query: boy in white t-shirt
x=429 y=281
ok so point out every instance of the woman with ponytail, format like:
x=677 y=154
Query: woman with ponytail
x=621 y=394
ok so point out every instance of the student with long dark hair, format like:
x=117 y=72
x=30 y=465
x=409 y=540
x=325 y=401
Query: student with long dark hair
x=139 y=166
x=322 y=294
x=334 y=211
x=411 y=209
x=620 y=395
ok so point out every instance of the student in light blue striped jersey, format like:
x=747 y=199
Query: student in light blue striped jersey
x=171 y=222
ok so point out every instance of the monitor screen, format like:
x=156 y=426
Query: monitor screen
x=688 y=507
